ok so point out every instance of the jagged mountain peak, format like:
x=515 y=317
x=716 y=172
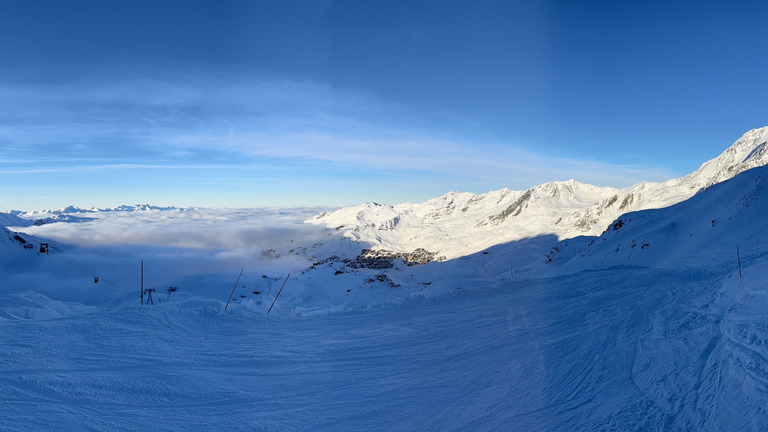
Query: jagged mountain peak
x=749 y=151
x=570 y=189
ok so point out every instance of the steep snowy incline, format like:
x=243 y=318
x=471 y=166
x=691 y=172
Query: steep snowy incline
x=10 y=246
x=15 y=242
x=459 y=224
x=750 y=151
x=707 y=228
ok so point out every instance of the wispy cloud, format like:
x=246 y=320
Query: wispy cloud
x=201 y=121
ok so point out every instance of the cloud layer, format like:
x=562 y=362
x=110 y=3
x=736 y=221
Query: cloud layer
x=177 y=246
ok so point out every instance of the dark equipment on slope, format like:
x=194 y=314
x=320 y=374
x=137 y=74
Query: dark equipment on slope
x=43 y=248
x=149 y=292
x=95 y=279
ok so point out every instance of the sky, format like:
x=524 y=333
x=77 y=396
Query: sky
x=253 y=103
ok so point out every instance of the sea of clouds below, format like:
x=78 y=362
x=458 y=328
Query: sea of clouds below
x=177 y=246
x=199 y=228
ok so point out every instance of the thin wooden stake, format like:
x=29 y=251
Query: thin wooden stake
x=233 y=288
x=278 y=293
x=738 y=257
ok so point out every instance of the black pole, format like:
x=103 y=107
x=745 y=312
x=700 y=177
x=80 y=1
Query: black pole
x=142 y=282
x=233 y=289
x=278 y=293
x=738 y=258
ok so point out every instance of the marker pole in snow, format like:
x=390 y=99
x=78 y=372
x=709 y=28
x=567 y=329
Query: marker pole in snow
x=739 y=259
x=233 y=289
x=142 y=282
x=278 y=293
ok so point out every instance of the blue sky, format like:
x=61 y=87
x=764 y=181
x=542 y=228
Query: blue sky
x=285 y=103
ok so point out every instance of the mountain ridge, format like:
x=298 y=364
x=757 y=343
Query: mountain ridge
x=707 y=227
x=460 y=223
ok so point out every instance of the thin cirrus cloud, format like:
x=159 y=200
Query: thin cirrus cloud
x=204 y=121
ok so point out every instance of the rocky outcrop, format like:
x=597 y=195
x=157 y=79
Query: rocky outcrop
x=512 y=210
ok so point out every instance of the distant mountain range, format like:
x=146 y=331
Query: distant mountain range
x=70 y=210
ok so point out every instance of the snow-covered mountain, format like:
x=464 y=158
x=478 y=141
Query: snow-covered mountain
x=458 y=224
x=708 y=228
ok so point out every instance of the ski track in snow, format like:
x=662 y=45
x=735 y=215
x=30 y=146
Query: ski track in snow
x=615 y=349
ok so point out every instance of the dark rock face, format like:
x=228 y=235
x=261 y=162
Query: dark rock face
x=513 y=210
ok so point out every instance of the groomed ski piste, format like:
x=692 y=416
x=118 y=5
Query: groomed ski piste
x=655 y=323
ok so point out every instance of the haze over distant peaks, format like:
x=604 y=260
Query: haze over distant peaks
x=75 y=210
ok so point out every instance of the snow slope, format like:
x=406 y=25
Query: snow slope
x=708 y=227
x=459 y=224
x=614 y=349
x=8 y=245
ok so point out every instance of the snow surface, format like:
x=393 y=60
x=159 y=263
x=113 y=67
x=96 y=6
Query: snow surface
x=611 y=349
x=649 y=321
